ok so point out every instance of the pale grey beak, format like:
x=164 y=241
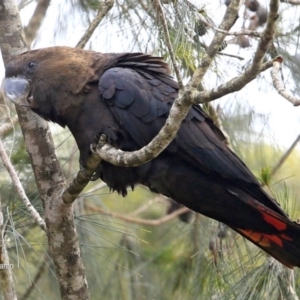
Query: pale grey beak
x=17 y=89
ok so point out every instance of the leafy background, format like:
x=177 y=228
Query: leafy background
x=198 y=259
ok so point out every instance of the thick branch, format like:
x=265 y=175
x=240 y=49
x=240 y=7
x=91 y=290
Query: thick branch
x=81 y=180
x=159 y=143
x=104 y=7
x=61 y=231
x=278 y=84
x=191 y=95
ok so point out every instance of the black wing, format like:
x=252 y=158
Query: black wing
x=141 y=101
x=141 y=105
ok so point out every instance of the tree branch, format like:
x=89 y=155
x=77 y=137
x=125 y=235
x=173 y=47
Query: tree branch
x=278 y=84
x=131 y=219
x=36 y=20
x=239 y=33
x=256 y=67
x=61 y=230
x=161 y=14
x=81 y=180
x=191 y=95
x=292 y=2
x=285 y=156
x=20 y=190
x=178 y=111
x=231 y=86
x=228 y=21
x=7 y=127
x=145 y=206
x=104 y=7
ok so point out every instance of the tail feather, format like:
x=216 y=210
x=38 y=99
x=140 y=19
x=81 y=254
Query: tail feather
x=283 y=243
x=244 y=208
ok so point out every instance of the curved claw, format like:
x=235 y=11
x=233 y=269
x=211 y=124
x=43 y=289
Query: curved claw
x=101 y=142
x=95 y=176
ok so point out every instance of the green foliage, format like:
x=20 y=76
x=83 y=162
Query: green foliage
x=265 y=176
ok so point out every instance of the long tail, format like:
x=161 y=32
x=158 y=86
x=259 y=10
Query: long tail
x=249 y=211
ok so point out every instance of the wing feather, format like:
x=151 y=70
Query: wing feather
x=141 y=104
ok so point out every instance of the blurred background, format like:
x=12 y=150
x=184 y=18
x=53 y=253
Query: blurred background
x=136 y=247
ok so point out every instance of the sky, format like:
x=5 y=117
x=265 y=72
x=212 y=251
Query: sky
x=284 y=119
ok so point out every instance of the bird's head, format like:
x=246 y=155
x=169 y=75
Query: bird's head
x=45 y=79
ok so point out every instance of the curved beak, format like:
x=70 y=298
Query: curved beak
x=17 y=89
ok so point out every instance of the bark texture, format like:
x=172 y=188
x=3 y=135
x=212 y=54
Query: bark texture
x=61 y=231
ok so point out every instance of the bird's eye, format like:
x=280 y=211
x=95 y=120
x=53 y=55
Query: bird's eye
x=31 y=65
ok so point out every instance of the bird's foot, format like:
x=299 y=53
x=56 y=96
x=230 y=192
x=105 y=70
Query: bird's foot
x=100 y=141
x=95 y=176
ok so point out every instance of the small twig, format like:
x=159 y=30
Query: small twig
x=131 y=219
x=285 y=156
x=204 y=46
x=136 y=158
x=231 y=55
x=238 y=33
x=16 y=181
x=6 y=276
x=104 y=7
x=278 y=84
x=292 y=2
x=286 y=279
x=159 y=8
x=144 y=207
x=216 y=118
x=7 y=127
